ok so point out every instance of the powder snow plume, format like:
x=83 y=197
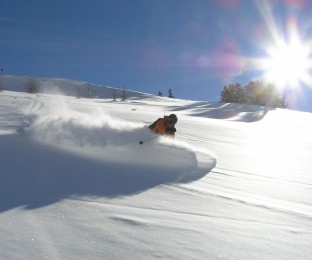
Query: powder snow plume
x=91 y=132
x=60 y=123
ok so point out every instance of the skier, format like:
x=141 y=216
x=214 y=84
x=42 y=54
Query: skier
x=165 y=125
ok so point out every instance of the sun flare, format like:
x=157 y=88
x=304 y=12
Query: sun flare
x=288 y=59
x=287 y=64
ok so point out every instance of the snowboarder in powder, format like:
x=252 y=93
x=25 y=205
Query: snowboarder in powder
x=165 y=125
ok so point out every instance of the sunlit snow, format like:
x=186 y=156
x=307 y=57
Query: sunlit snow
x=235 y=183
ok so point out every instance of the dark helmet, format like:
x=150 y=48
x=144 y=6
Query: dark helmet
x=172 y=119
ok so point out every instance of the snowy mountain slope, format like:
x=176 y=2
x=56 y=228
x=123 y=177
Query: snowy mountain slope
x=94 y=135
x=66 y=87
x=76 y=183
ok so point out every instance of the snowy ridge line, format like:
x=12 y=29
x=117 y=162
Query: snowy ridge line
x=232 y=172
x=271 y=204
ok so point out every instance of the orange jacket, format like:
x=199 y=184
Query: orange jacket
x=161 y=126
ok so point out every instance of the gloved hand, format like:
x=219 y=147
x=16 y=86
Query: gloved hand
x=171 y=130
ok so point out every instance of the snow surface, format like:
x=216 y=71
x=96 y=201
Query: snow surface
x=235 y=183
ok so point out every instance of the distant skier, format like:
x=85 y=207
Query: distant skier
x=165 y=125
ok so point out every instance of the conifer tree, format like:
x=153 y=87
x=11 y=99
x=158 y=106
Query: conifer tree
x=255 y=93
x=170 y=94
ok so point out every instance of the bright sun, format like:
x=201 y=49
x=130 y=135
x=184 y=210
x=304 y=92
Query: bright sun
x=287 y=64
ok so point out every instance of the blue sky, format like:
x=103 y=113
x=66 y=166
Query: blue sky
x=194 y=47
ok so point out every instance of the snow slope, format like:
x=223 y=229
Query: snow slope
x=66 y=87
x=236 y=183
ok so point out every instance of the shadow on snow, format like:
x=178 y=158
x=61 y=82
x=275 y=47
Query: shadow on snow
x=36 y=175
x=234 y=112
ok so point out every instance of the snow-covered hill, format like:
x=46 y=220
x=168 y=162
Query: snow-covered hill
x=235 y=183
x=67 y=87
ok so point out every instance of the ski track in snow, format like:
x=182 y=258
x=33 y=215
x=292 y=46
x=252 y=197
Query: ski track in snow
x=258 y=201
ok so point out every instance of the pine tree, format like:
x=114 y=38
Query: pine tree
x=233 y=94
x=170 y=95
x=255 y=93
